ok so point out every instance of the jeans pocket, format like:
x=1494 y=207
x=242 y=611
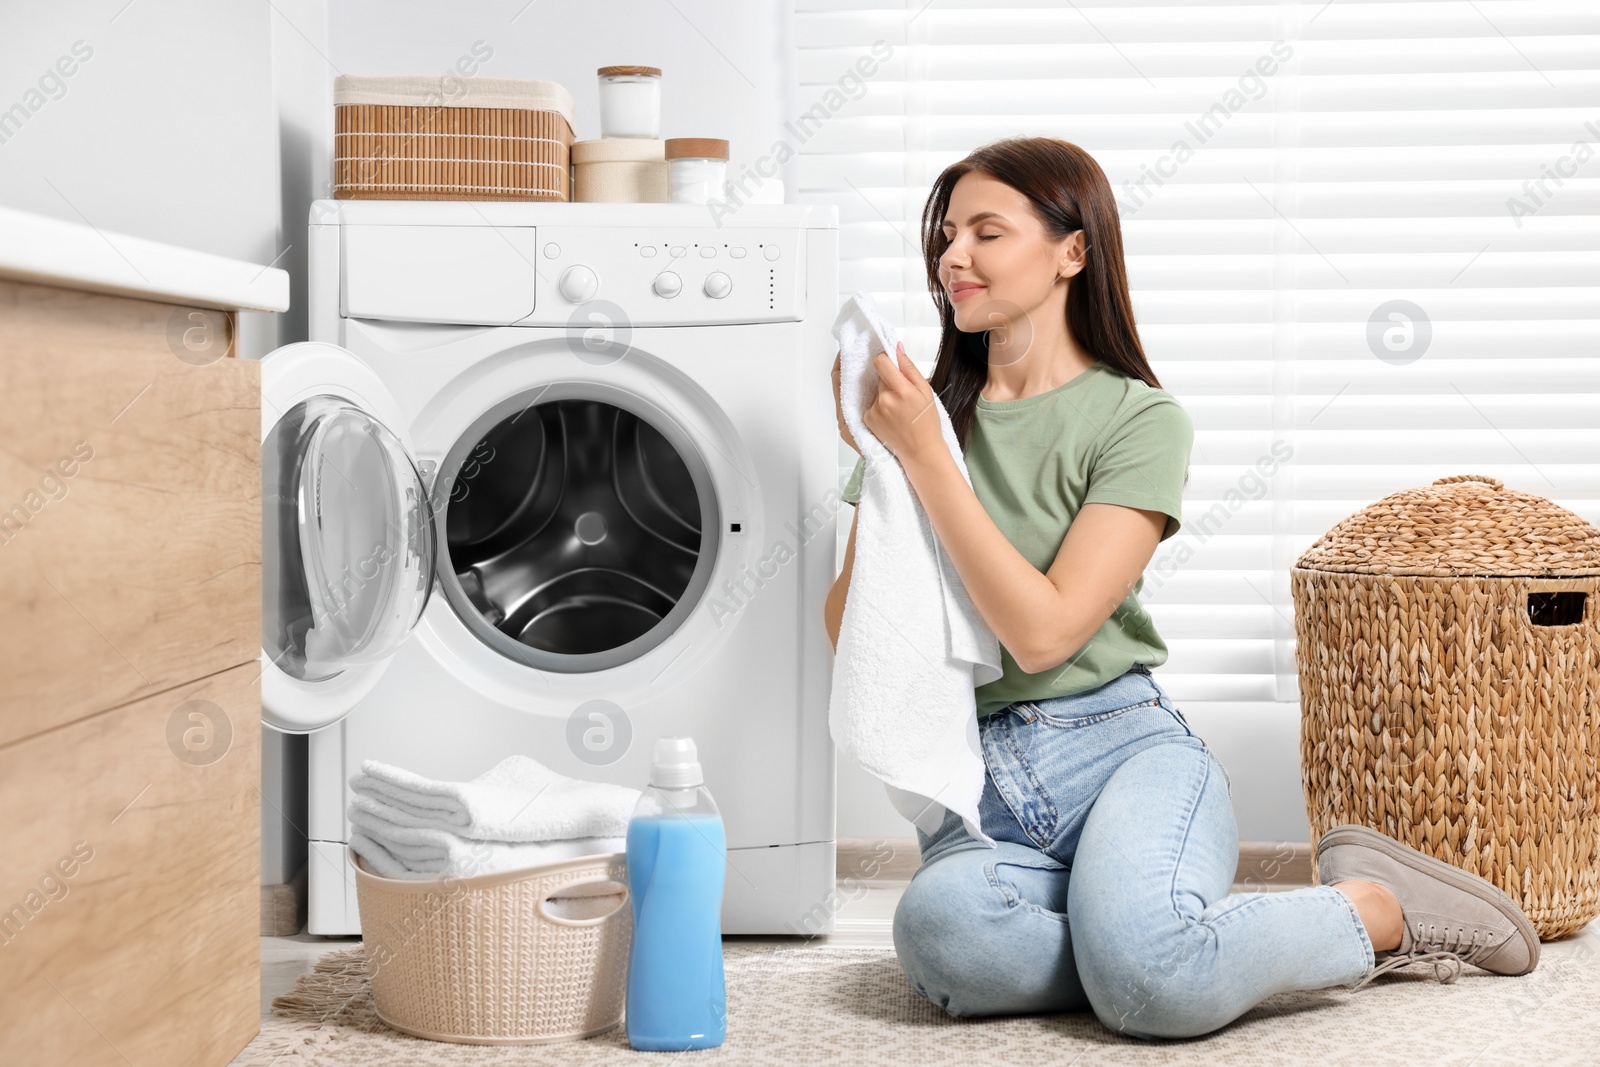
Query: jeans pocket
x=1073 y=722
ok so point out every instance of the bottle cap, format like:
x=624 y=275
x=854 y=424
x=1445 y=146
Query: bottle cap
x=676 y=764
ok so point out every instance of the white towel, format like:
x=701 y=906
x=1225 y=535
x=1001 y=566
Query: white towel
x=465 y=858
x=912 y=647
x=517 y=800
x=427 y=849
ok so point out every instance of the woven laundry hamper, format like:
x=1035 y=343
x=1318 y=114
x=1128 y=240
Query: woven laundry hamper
x=514 y=957
x=1449 y=664
x=430 y=138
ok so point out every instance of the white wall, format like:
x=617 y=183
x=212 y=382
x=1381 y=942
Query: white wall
x=163 y=131
x=726 y=67
x=303 y=90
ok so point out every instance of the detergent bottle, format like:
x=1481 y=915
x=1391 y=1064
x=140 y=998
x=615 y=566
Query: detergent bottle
x=677 y=862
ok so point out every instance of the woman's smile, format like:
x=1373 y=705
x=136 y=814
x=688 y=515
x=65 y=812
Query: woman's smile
x=959 y=291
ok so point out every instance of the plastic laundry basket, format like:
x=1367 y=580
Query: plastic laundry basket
x=514 y=957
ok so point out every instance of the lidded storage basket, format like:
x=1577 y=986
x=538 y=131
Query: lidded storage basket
x=512 y=957
x=1449 y=664
x=619 y=170
x=432 y=138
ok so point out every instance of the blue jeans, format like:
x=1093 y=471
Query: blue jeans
x=1110 y=888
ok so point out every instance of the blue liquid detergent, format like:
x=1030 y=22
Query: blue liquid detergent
x=676 y=996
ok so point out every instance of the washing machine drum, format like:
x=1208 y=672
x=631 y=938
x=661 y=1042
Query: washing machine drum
x=578 y=535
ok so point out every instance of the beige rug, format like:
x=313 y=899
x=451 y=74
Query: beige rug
x=815 y=1004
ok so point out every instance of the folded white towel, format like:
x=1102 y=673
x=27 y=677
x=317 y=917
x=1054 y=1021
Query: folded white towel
x=912 y=647
x=464 y=858
x=517 y=800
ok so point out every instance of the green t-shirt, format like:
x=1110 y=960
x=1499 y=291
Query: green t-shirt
x=1101 y=437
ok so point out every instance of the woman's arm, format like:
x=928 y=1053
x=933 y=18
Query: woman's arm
x=1041 y=618
x=833 y=610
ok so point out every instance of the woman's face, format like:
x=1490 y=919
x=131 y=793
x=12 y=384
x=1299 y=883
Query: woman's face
x=1001 y=267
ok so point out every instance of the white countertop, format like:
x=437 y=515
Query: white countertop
x=36 y=248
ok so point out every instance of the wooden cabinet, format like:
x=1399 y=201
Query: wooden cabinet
x=130 y=617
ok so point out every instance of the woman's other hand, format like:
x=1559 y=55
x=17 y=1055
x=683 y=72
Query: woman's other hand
x=838 y=407
x=904 y=416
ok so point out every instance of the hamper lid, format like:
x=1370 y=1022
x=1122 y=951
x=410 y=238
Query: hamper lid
x=427 y=90
x=1466 y=524
x=619 y=150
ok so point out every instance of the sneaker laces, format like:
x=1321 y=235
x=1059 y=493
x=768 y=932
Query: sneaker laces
x=1447 y=957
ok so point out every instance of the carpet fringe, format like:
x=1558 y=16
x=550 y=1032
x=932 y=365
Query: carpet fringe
x=324 y=992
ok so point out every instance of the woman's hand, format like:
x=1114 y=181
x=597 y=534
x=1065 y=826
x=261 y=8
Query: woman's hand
x=838 y=408
x=905 y=416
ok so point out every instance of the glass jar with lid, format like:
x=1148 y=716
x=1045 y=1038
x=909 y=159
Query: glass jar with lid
x=630 y=102
x=697 y=169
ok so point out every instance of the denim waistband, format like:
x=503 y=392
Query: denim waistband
x=1136 y=686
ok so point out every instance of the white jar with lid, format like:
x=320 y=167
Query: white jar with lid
x=630 y=102
x=697 y=169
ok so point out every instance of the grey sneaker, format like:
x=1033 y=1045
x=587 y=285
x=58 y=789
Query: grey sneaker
x=1451 y=916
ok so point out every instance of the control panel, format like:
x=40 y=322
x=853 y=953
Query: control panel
x=667 y=277
x=559 y=274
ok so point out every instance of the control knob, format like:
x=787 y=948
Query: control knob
x=578 y=284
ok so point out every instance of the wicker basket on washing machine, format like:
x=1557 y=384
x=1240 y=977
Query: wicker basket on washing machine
x=1449 y=664
x=449 y=138
x=513 y=957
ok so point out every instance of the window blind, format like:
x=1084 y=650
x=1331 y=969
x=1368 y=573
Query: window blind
x=1362 y=239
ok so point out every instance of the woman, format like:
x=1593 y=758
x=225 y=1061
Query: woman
x=1110 y=886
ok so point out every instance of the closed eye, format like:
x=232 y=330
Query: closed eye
x=989 y=237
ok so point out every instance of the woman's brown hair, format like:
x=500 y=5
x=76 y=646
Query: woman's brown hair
x=1069 y=192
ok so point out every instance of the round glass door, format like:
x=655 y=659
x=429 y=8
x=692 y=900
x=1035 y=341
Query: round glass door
x=348 y=540
x=580 y=527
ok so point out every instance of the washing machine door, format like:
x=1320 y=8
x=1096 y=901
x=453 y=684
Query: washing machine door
x=347 y=535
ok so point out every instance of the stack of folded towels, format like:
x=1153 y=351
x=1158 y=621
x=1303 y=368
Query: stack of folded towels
x=518 y=814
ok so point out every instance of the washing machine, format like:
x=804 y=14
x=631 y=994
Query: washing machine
x=560 y=479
